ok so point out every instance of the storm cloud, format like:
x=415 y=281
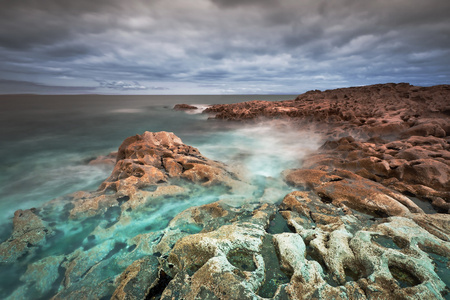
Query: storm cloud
x=221 y=46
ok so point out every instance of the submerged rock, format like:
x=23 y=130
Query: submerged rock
x=356 y=228
x=29 y=231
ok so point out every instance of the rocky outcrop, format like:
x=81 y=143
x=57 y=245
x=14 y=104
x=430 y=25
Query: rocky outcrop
x=154 y=158
x=75 y=246
x=315 y=250
x=184 y=107
x=352 y=225
x=413 y=168
x=378 y=110
x=153 y=165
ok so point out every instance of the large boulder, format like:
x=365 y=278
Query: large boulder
x=154 y=158
x=153 y=165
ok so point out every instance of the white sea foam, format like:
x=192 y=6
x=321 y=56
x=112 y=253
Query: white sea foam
x=199 y=110
x=263 y=149
x=126 y=111
x=44 y=186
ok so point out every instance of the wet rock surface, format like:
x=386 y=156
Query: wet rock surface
x=184 y=107
x=102 y=243
x=365 y=217
x=29 y=231
x=349 y=170
x=152 y=165
x=396 y=135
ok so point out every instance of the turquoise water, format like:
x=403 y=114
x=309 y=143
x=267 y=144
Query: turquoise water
x=47 y=142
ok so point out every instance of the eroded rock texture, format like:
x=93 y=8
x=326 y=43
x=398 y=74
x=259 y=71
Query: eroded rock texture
x=368 y=217
x=153 y=165
x=29 y=231
x=395 y=135
x=382 y=109
x=306 y=249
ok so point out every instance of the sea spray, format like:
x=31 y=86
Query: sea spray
x=110 y=237
x=262 y=149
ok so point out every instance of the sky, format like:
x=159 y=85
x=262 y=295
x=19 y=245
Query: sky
x=220 y=46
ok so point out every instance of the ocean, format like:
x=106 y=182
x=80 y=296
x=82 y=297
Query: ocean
x=47 y=142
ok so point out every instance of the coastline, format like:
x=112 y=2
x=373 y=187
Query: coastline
x=347 y=223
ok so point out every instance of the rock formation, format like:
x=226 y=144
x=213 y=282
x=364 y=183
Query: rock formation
x=152 y=165
x=383 y=110
x=393 y=134
x=365 y=217
x=29 y=231
x=184 y=107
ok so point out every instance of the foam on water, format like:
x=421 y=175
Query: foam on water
x=44 y=179
x=51 y=162
x=199 y=110
x=47 y=159
x=127 y=110
x=264 y=149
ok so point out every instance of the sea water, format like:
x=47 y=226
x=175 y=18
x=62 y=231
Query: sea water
x=47 y=142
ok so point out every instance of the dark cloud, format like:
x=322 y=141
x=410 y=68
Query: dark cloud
x=296 y=45
x=211 y=75
x=240 y=3
x=26 y=87
x=65 y=51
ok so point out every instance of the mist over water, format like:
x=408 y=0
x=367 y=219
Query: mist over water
x=46 y=141
x=45 y=152
x=264 y=149
x=48 y=144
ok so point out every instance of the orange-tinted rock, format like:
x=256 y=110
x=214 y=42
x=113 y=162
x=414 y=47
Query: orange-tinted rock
x=154 y=158
x=149 y=166
x=92 y=205
x=184 y=107
x=428 y=172
x=425 y=130
x=383 y=109
x=343 y=187
x=309 y=178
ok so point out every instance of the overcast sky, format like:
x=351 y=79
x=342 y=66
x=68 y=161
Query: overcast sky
x=220 y=46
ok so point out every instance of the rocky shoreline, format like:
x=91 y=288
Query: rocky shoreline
x=366 y=217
